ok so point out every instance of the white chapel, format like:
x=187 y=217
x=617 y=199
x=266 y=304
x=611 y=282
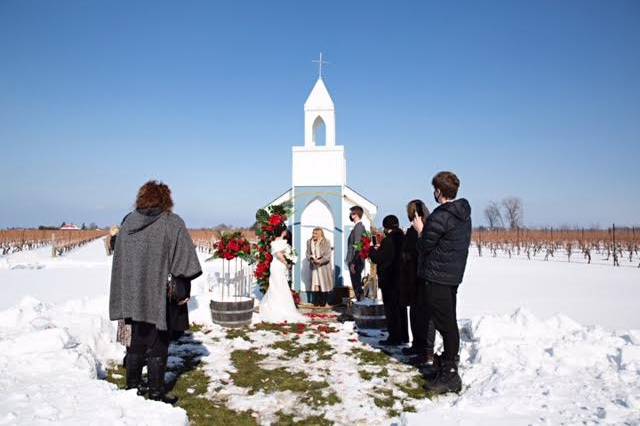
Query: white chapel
x=319 y=191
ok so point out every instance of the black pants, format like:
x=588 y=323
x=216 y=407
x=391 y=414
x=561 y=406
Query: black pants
x=356 y=280
x=147 y=339
x=396 y=316
x=422 y=328
x=441 y=302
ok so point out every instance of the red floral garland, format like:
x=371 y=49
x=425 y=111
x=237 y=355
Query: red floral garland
x=270 y=223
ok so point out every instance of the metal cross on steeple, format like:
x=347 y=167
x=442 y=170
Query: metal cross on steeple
x=320 y=62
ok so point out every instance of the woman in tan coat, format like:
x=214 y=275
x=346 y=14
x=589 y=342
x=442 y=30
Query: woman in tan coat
x=319 y=256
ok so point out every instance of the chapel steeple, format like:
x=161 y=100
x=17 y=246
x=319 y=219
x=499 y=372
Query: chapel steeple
x=319 y=114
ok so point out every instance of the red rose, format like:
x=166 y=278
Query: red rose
x=276 y=220
x=234 y=246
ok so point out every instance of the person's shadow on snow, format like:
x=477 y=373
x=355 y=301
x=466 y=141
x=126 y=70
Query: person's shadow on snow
x=185 y=354
x=372 y=337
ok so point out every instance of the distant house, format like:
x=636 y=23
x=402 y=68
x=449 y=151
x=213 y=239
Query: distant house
x=69 y=227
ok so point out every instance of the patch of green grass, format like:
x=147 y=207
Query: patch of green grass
x=241 y=332
x=196 y=327
x=289 y=420
x=415 y=387
x=385 y=400
x=365 y=375
x=371 y=357
x=191 y=389
x=292 y=349
x=283 y=328
x=255 y=378
x=117 y=375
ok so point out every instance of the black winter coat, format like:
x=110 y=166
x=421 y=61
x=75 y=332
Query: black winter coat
x=388 y=259
x=409 y=279
x=443 y=246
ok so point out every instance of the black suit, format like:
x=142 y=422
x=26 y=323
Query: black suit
x=353 y=259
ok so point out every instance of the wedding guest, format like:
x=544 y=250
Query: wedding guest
x=443 y=247
x=353 y=260
x=319 y=256
x=110 y=240
x=412 y=291
x=387 y=255
x=152 y=245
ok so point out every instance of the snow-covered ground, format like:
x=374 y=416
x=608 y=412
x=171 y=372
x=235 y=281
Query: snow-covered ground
x=571 y=355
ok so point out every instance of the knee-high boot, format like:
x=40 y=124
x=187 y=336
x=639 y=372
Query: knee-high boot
x=133 y=364
x=156 y=366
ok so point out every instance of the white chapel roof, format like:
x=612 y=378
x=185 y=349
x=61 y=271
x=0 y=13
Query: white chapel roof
x=360 y=200
x=319 y=98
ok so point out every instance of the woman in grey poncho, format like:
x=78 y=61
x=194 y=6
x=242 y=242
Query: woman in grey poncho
x=153 y=245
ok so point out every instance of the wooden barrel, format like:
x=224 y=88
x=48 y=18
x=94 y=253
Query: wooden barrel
x=236 y=313
x=369 y=315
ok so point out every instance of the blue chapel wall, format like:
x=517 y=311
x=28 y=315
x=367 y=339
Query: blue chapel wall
x=332 y=196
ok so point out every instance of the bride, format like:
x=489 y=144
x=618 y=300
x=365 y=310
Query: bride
x=277 y=304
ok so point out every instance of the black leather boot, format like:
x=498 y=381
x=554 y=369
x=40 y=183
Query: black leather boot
x=156 y=367
x=447 y=379
x=133 y=364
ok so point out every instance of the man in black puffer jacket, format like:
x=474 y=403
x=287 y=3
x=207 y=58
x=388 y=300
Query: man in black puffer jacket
x=443 y=247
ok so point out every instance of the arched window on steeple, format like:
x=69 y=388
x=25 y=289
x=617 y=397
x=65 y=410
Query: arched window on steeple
x=319 y=132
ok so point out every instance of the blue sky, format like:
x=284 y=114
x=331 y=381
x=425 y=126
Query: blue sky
x=539 y=100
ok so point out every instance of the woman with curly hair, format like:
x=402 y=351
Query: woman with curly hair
x=154 y=262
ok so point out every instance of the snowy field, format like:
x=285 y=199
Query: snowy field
x=542 y=343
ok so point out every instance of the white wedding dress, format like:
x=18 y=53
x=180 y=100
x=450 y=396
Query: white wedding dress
x=277 y=304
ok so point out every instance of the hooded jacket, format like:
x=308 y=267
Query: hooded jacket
x=443 y=246
x=151 y=245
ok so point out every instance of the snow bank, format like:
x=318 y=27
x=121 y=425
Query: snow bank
x=518 y=369
x=50 y=358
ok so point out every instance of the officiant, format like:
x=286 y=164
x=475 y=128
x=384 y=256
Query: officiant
x=387 y=255
x=319 y=257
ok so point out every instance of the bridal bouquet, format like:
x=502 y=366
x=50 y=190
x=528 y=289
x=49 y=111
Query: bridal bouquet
x=290 y=255
x=363 y=247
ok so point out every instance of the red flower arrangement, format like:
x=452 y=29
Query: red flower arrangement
x=363 y=247
x=232 y=245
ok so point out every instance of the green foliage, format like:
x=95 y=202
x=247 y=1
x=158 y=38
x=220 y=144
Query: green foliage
x=262 y=216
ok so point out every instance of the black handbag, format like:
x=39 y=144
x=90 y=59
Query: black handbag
x=178 y=289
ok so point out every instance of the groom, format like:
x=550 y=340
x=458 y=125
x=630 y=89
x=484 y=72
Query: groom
x=353 y=260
